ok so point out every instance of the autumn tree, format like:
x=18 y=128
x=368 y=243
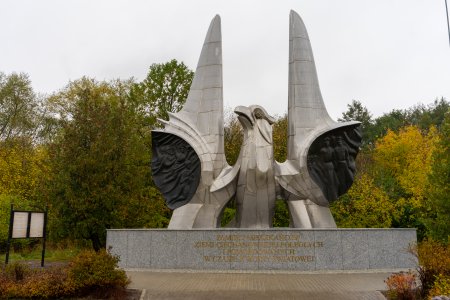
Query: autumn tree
x=402 y=164
x=21 y=159
x=396 y=176
x=233 y=137
x=365 y=205
x=23 y=162
x=406 y=157
x=438 y=205
x=280 y=136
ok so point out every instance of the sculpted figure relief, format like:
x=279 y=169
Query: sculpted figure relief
x=189 y=164
x=176 y=169
x=331 y=161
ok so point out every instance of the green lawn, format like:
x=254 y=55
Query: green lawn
x=52 y=254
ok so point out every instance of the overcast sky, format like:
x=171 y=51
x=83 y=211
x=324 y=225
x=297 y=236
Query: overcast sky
x=386 y=53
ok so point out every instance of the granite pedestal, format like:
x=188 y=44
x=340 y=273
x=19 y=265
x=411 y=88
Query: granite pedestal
x=265 y=249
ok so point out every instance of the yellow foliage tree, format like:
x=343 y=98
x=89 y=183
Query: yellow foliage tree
x=23 y=167
x=233 y=136
x=280 y=136
x=364 y=206
x=23 y=170
x=392 y=190
x=406 y=156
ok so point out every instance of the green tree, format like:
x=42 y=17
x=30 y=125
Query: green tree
x=281 y=215
x=164 y=90
x=18 y=106
x=422 y=116
x=357 y=112
x=100 y=162
x=393 y=121
x=430 y=115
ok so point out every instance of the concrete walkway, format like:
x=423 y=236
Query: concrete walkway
x=173 y=284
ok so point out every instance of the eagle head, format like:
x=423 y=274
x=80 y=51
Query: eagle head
x=256 y=116
x=248 y=116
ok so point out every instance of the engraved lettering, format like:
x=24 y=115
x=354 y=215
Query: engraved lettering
x=254 y=248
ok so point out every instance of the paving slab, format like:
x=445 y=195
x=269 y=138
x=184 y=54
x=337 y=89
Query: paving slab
x=194 y=284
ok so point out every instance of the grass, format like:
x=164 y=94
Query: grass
x=53 y=253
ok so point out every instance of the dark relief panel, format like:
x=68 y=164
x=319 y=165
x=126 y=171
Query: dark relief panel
x=331 y=160
x=175 y=167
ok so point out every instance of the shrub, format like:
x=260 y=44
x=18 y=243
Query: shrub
x=4 y=283
x=44 y=283
x=16 y=271
x=441 y=287
x=18 y=280
x=90 y=271
x=434 y=261
x=402 y=286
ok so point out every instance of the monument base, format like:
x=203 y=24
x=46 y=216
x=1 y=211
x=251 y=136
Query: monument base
x=264 y=249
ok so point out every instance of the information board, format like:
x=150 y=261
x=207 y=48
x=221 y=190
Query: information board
x=20 y=225
x=37 y=225
x=25 y=224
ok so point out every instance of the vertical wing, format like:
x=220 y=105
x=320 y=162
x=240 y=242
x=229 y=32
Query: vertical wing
x=306 y=110
x=204 y=106
x=200 y=122
x=308 y=123
x=200 y=125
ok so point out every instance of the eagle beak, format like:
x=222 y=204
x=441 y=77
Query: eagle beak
x=270 y=119
x=244 y=114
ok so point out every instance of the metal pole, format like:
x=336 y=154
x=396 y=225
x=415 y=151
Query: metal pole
x=448 y=23
x=44 y=237
x=28 y=225
x=11 y=222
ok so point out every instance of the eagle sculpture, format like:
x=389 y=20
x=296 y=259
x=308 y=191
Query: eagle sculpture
x=189 y=165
